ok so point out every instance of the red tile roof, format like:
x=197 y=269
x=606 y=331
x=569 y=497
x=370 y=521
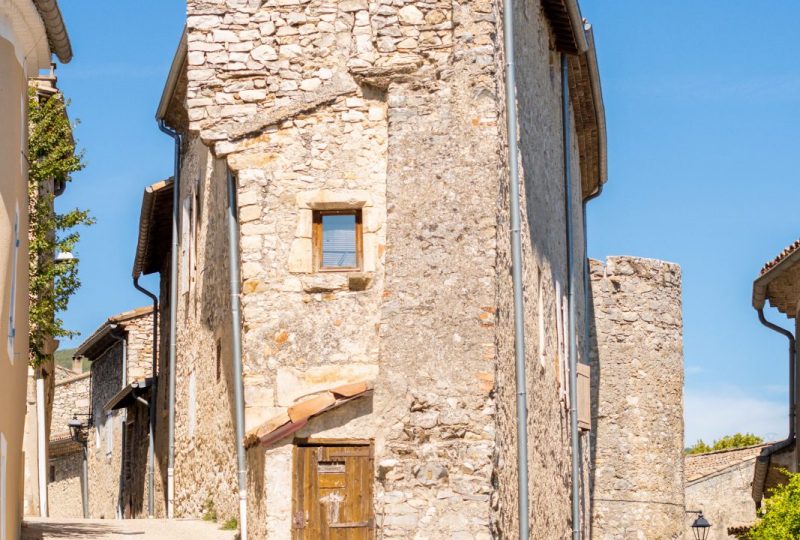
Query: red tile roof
x=783 y=254
x=298 y=415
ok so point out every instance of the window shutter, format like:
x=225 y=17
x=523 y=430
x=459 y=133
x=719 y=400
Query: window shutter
x=584 y=397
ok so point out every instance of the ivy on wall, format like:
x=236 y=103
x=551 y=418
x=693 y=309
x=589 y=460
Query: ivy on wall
x=52 y=158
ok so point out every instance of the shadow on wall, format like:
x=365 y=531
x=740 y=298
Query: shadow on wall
x=594 y=361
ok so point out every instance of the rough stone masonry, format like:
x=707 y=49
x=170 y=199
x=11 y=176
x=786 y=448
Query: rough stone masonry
x=392 y=108
x=637 y=381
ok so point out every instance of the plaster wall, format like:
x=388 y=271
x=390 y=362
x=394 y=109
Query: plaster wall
x=13 y=352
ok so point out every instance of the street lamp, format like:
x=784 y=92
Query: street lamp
x=79 y=432
x=700 y=526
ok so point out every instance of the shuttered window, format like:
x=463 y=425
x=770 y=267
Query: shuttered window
x=337 y=240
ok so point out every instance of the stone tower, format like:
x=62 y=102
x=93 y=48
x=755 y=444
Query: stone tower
x=637 y=384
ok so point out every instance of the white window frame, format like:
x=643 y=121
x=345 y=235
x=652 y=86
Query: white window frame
x=12 y=328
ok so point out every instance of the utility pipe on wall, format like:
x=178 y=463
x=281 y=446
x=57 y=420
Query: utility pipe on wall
x=41 y=443
x=575 y=441
x=173 y=314
x=792 y=369
x=236 y=334
x=152 y=405
x=516 y=270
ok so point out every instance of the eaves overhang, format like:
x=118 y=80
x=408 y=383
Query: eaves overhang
x=586 y=98
x=56 y=31
x=108 y=333
x=567 y=23
x=155 y=226
x=174 y=74
x=779 y=282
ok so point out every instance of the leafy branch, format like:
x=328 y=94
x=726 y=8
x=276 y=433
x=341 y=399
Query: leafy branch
x=52 y=160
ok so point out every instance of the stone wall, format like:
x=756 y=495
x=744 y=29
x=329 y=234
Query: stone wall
x=394 y=109
x=64 y=490
x=720 y=484
x=204 y=433
x=637 y=380
x=71 y=398
x=546 y=291
x=105 y=435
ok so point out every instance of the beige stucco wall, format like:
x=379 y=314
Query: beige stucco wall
x=13 y=197
x=637 y=359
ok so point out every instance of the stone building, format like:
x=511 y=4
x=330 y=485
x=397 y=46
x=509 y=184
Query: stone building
x=779 y=284
x=121 y=356
x=720 y=484
x=362 y=150
x=636 y=462
x=65 y=464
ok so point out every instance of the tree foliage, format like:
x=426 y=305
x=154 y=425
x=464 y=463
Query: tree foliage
x=780 y=514
x=737 y=440
x=51 y=157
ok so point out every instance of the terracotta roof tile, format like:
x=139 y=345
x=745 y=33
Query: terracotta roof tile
x=781 y=256
x=297 y=416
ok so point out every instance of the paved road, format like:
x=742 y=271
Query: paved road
x=128 y=529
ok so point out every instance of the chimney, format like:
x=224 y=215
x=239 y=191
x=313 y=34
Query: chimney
x=77 y=364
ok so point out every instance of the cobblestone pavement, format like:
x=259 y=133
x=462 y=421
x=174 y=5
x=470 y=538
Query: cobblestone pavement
x=128 y=529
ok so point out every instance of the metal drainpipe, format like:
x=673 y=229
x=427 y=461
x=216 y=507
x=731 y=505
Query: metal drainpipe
x=123 y=338
x=516 y=269
x=236 y=334
x=792 y=368
x=173 y=314
x=152 y=405
x=85 y=480
x=575 y=441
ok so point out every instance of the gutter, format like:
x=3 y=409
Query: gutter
x=763 y=461
x=236 y=334
x=512 y=133
x=152 y=409
x=574 y=435
x=173 y=314
x=161 y=113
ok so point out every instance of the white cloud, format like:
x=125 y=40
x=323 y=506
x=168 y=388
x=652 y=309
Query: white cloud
x=713 y=413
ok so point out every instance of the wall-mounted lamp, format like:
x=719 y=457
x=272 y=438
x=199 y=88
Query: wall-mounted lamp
x=700 y=526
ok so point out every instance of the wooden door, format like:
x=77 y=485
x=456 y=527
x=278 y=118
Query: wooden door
x=332 y=492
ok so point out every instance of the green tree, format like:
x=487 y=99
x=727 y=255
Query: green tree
x=699 y=447
x=51 y=157
x=780 y=514
x=737 y=440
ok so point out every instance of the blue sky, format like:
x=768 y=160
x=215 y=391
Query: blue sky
x=701 y=101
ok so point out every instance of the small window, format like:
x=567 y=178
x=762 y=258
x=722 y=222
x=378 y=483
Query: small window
x=337 y=240
x=219 y=359
x=52 y=473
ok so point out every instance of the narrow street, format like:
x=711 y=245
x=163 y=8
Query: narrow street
x=111 y=529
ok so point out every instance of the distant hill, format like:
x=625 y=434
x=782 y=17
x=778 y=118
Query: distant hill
x=63 y=358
